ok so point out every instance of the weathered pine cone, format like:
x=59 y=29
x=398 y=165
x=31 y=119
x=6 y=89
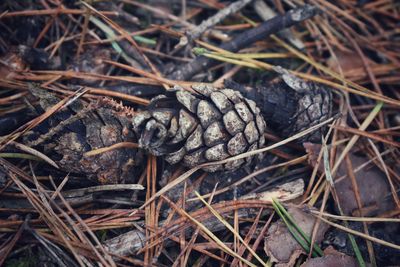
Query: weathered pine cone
x=205 y=126
x=291 y=105
x=68 y=134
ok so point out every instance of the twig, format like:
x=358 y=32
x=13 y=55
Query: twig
x=246 y=38
x=55 y=11
x=133 y=241
x=211 y=21
x=266 y=13
x=110 y=187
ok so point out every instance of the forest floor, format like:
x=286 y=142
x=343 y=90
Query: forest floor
x=83 y=184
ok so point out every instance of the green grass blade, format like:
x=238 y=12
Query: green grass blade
x=303 y=243
x=317 y=251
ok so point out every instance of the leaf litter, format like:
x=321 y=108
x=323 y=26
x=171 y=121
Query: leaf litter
x=77 y=188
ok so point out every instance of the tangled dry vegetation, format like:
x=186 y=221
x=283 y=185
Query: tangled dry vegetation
x=87 y=177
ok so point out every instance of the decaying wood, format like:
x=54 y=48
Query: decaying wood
x=131 y=242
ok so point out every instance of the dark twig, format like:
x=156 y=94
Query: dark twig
x=246 y=38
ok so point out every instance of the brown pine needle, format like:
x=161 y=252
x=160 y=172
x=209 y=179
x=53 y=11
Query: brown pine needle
x=109 y=148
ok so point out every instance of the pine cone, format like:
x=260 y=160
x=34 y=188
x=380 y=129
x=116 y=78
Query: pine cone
x=291 y=105
x=204 y=126
x=71 y=132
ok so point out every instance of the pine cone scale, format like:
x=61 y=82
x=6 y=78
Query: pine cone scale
x=207 y=113
x=237 y=144
x=195 y=140
x=221 y=101
x=233 y=123
x=215 y=134
x=244 y=112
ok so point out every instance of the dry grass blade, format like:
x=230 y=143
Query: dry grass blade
x=115 y=146
x=7 y=247
x=252 y=63
x=368 y=237
x=230 y=228
x=55 y=224
x=126 y=35
x=185 y=252
x=355 y=219
x=76 y=188
x=110 y=187
x=52 y=12
x=254 y=174
x=35 y=153
x=368 y=135
x=210 y=234
x=102 y=254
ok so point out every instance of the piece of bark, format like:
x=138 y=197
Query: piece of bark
x=131 y=242
x=284 y=192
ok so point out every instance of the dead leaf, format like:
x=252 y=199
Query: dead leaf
x=331 y=258
x=371 y=182
x=279 y=242
x=350 y=62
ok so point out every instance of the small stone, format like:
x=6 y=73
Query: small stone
x=139 y=119
x=233 y=95
x=252 y=105
x=244 y=112
x=173 y=127
x=162 y=116
x=187 y=123
x=195 y=158
x=203 y=89
x=260 y=124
